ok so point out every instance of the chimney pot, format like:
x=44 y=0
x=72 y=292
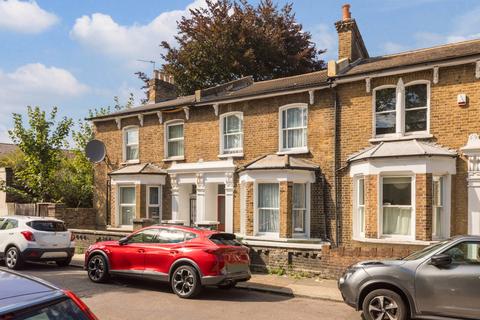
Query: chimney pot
x=346 y=15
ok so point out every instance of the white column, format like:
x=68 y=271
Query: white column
x=200 y=198
x=229 y=202
x=175 y=200
x=472 y=151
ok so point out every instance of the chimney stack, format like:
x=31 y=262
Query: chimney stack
x=350 y=42
x=161 y=87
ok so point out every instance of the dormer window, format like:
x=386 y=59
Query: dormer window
x=130 y=144
x=402 y=109
x=293 y=128
x=231 y=134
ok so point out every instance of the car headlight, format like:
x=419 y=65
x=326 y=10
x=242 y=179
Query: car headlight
x=347 y=275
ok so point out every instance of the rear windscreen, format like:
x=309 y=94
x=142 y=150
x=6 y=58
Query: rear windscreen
x=53 y=226
x=226 y=239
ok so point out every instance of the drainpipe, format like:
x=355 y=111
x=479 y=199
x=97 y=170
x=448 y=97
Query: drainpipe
x=336 y=150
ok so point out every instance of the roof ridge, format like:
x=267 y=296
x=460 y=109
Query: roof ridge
x=375 y=149
x=451 y=44
x=289 y=77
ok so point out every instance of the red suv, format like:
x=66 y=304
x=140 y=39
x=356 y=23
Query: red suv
x=188 y=258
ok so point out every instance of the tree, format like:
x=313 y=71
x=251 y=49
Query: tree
x=230 y=39
x=42 y=143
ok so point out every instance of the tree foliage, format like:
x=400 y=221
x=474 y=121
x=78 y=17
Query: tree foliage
x=42 y=143
x=230 y=39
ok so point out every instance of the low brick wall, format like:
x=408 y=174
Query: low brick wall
x=84 y=238
x=78 y=218
x=325 y=262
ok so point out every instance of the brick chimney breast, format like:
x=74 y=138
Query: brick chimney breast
x=161 y=87
x=350 y=42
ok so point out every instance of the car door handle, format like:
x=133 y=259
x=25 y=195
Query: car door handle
x=141 y=251
x=173 y=251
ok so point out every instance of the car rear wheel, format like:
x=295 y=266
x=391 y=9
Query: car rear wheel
x=97 y=268
x=186 y=282
x=13 y=258
x=64 y=263
x=384 y=304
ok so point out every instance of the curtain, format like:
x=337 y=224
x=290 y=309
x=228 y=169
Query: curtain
x=132 y=152
x=132 y=136
x=268 y=207
x=299 y=207
x=175 y=148
x=397 y=221
x=175 y=131
x=361 y=216
x=232 y=131
x=294 y=123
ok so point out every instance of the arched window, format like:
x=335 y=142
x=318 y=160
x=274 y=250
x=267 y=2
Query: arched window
x=174 y=139
x=293 y=128
x=231 y=133
x=130 y=144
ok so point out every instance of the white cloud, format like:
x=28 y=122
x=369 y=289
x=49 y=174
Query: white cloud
x=103 y=34
x=25 y=17
x=35 y=85
x=325 y=38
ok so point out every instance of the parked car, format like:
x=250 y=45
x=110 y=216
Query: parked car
x=24 y=298
x=440 y=281
x=187 y=258
x=24 y=239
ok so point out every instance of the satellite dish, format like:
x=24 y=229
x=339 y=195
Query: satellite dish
x=95 y=151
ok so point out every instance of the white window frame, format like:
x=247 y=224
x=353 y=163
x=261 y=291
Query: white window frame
x=120 y=205
x=274 y=235
x=303 y=149
x=159 y=205
x=400 y=110
x=306 y=233
x=125 y=130
x=357 y=230
x=238 y=152
x=167 y=140
x=410 y=237
x=446 y=195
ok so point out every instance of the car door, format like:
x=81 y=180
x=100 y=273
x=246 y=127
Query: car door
x=2 y=237
x=129 y=257
x=160 y=255
x=453 y=290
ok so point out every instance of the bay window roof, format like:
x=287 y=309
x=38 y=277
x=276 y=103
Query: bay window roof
x=144 y=168
x=274 y=161
x=402 y=149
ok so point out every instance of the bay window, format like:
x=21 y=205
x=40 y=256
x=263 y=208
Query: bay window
x=154 y=209
x=130 y=144
x=174 y=139
x=439 y=208
x=359 y=209
x=231 y=133
x=299 y=208
x=402 y=109
x=268 y=208
x=127 y=205
x=397 y=206
x=293 y=128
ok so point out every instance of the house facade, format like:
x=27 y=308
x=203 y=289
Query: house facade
x=374 y=152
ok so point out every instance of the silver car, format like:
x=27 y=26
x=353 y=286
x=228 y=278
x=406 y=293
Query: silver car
x=442 y=281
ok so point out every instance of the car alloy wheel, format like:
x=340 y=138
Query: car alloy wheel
x=96 y=268
x=183 y=281
x=383 y=307
x=11 y=258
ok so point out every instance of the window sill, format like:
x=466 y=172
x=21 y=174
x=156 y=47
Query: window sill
x=404 y=137
x=231 y=155
x=294 y=151
x=126 y=163
x=393 y=241
x=174 y=159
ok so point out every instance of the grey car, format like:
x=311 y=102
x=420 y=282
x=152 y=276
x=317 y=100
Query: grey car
x=442 y=281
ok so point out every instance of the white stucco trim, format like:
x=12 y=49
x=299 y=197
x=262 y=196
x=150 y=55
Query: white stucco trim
x=202 y=166
x=152 y=179
x=436 y=165
x=297 y=176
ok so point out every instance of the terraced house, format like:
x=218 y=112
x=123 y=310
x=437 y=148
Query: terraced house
x=375 y=154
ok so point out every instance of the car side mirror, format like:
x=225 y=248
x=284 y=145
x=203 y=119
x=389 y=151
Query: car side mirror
x=441 y=260
x=123 y=241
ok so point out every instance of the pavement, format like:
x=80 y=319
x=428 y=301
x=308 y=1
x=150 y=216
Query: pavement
x=133 y=298
x=289 y=286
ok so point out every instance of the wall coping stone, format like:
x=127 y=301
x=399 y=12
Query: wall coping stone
x=286 y=245
x=100 y=232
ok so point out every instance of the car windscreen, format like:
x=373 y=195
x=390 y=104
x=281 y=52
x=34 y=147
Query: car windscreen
x=226 y=239
x=60 y=309
x=425 y=251
x=47 y=225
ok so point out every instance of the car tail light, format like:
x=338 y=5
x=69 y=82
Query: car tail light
x=28 y=235
x=80 y=304
x=72 y=237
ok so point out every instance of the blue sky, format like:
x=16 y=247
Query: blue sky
x=80 y=54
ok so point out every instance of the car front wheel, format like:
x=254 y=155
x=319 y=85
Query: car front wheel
x=13 y=258
x=384 y=304
x=97 y=268
x=186 y=282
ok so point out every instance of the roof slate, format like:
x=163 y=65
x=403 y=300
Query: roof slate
x=402 y=149
x=275 y=161
x=143 y=168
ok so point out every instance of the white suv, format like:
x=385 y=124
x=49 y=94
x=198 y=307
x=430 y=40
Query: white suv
x=25 y=239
